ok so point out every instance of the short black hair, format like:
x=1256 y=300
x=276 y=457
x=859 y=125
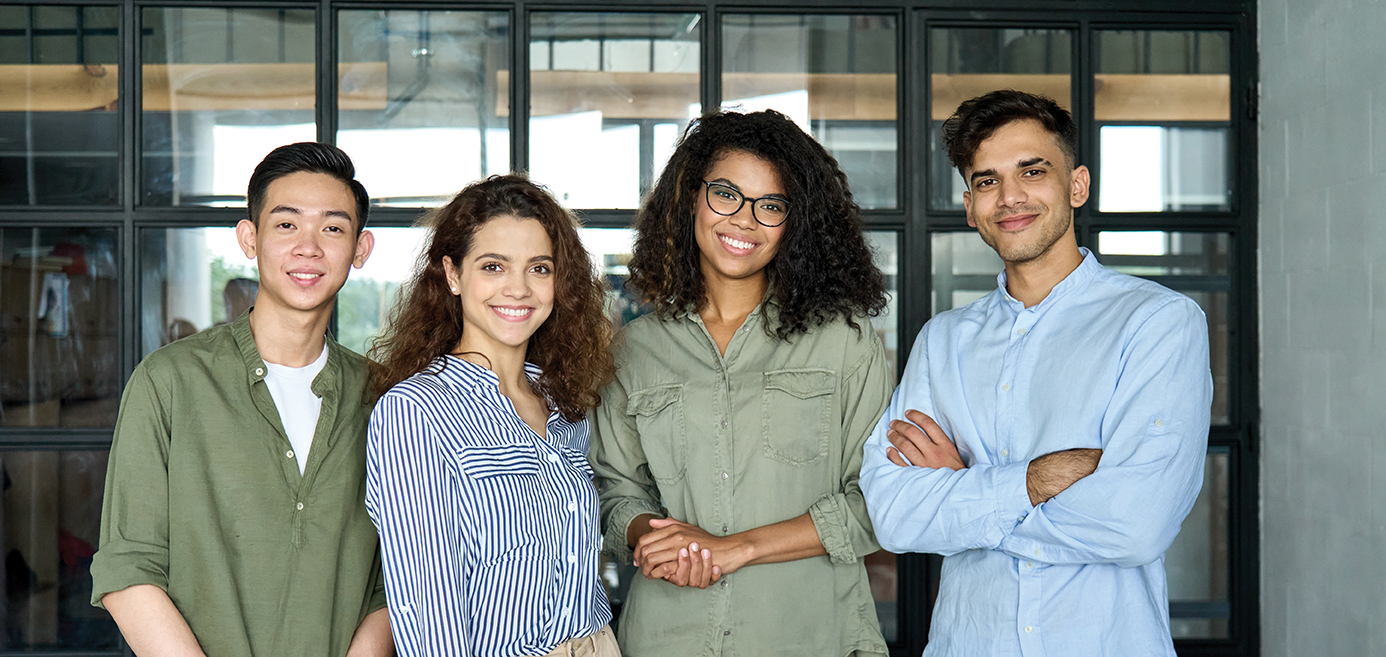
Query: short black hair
x=310 y=157
x=976 y=119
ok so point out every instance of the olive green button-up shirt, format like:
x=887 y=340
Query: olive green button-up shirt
x=767 y=432
x=204 y=499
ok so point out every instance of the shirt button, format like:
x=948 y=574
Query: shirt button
x=572 y=558
x=1037 y=553
x=1029 y=629
x=727 y=633
x=724 y=475
x=289 y=454
x=1005 y=386
x=724 y=583
x=1005 y=452
x=259 y=371
x=1021 y=331
x=553 y=458
x=724 y=424
x=300 y=506
x=1029 y=564
x=572 y=506
x=1159 y=423
x=724 y=529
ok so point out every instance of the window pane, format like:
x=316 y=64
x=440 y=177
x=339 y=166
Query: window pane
x=52 y=524
x=365 y=302
x=886 y=247
x=1196 y=264
x=964 y=270
x=59 y=95
x=1163 y=107
x=59 y=342
x=423 y=100
x=191 y=279
x=968 y=62
x=610 y=94
x=1196 y=565
x=222 y=87
x=833 y=75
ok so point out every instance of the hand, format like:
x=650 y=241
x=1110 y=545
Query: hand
x=922 y=442
x=657 y=552
x=694 y=568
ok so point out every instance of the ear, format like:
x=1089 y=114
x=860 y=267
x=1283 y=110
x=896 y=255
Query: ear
x=364 y=243
x=967 y=206
x=450 y=272
x=1079 y=188
x=245 y=237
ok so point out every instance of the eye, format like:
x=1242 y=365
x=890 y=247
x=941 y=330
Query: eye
x=284 y=225
x=773 y=205
x=984 y=183
x=725 y=193
x=334 y=229
x=1032 y=173
x=491 y=266
x=543 y=270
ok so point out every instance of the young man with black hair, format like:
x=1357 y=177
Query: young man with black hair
x=234 y=520
x=1049 y=438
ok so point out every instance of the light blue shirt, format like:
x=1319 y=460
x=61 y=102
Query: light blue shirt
x=1105 y=361
x=488 y=532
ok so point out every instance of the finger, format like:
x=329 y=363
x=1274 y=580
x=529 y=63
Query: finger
x=655 y=561
x=696 y=570
x=911 y=449
x=930 y=427
x=661 y=523
x=658 y=534
x=914 y=433
x=716 y=573
x=894 y=456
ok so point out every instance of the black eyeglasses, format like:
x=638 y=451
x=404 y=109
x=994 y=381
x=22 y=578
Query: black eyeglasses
x=727 y=201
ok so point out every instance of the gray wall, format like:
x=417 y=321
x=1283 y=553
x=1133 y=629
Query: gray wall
x=1323 y=326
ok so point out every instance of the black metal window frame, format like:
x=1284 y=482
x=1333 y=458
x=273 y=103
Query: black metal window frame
x=912 y=221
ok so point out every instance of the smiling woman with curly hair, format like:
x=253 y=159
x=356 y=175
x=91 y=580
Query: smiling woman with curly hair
x=727 y=450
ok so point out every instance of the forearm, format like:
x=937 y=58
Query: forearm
x=789 y=540
x=373 y=637
x=150 y=622
x=1053 y=473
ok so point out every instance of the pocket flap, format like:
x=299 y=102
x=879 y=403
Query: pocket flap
x=802 y=383
x=650 y=401
x=483 y=461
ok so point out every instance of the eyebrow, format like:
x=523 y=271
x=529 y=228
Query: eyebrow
x=289 y=209
x=732 y=185
x=1019 y=165
x=497 y=256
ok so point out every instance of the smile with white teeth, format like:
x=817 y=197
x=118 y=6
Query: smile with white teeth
x=736 y=243
x=303 y=276
x=513 y=312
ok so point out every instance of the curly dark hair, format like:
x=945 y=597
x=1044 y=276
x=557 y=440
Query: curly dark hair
x=822 y=269
x=978 y=118
x=573 y=346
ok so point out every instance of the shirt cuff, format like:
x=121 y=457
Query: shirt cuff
x=618 y=523
x=119 y=565
x=830 y=521
x=1012 y=495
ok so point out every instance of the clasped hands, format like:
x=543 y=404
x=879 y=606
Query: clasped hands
x=686 y=555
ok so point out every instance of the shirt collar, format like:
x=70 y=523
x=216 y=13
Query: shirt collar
x=255 y=365
x=469 y=377
x=1076 y=280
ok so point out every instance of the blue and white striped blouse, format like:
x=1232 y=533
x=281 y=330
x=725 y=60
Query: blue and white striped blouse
x=488 y=533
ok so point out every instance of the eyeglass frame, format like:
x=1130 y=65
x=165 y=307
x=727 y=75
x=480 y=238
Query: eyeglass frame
x=744 y=198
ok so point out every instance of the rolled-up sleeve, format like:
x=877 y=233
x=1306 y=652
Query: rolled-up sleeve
x=133 y=548
x=841 y=518
x=622 y=475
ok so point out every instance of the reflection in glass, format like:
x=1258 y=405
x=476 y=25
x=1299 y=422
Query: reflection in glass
x=610 y=94
x=51 y=526
x=1196 y=565
x=222 y=87
x=192 y=279
x=59 y=327
x=1195 y=264
x=1163 y=104
x=59 y=90
x=968 y=62
x=423 y=100
x=964 y=270
x=833 y=75
x=366 y=301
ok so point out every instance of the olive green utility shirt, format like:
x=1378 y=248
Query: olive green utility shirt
x=204 y=500
x=765 y=433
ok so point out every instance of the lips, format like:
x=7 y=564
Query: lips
x=305 y=277
x=1016 y=222
x=736 y=246
x=513 y=313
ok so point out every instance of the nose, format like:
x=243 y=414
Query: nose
x=1012 y=193
x=516 y=284
x=744 y=218
x=307 y=245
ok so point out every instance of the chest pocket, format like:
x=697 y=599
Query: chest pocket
x=796 y=414
x=486 y=461
x=658 y=413
x=505 y=509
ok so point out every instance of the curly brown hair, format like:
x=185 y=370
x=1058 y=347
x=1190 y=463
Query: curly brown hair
x=823 y=267
x=572 y=347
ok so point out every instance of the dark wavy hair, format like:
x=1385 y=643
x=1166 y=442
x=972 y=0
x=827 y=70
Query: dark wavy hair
x=978 y=118
x=822 y=269
x=310 y=157
x=573 y=346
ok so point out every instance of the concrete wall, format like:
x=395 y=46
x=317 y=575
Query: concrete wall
x=1323 y=326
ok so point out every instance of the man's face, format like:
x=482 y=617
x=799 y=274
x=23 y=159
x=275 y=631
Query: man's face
x=1021 y=193
x=305 y=243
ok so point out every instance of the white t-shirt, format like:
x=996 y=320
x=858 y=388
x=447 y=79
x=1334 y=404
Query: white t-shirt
x=292 y=390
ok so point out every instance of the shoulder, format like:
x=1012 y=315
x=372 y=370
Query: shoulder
x=205 y=349
x=1141 y=300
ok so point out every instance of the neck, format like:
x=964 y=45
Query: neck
x=292 y=339
x=731 y=299
x=1031 y=281
x=507 y=362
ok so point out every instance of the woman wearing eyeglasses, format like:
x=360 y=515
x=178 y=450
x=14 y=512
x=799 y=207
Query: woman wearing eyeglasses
x=727 y=450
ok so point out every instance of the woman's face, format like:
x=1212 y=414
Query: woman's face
x=505 y=284
x=737 y=247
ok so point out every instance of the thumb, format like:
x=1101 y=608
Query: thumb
x=661 y=523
